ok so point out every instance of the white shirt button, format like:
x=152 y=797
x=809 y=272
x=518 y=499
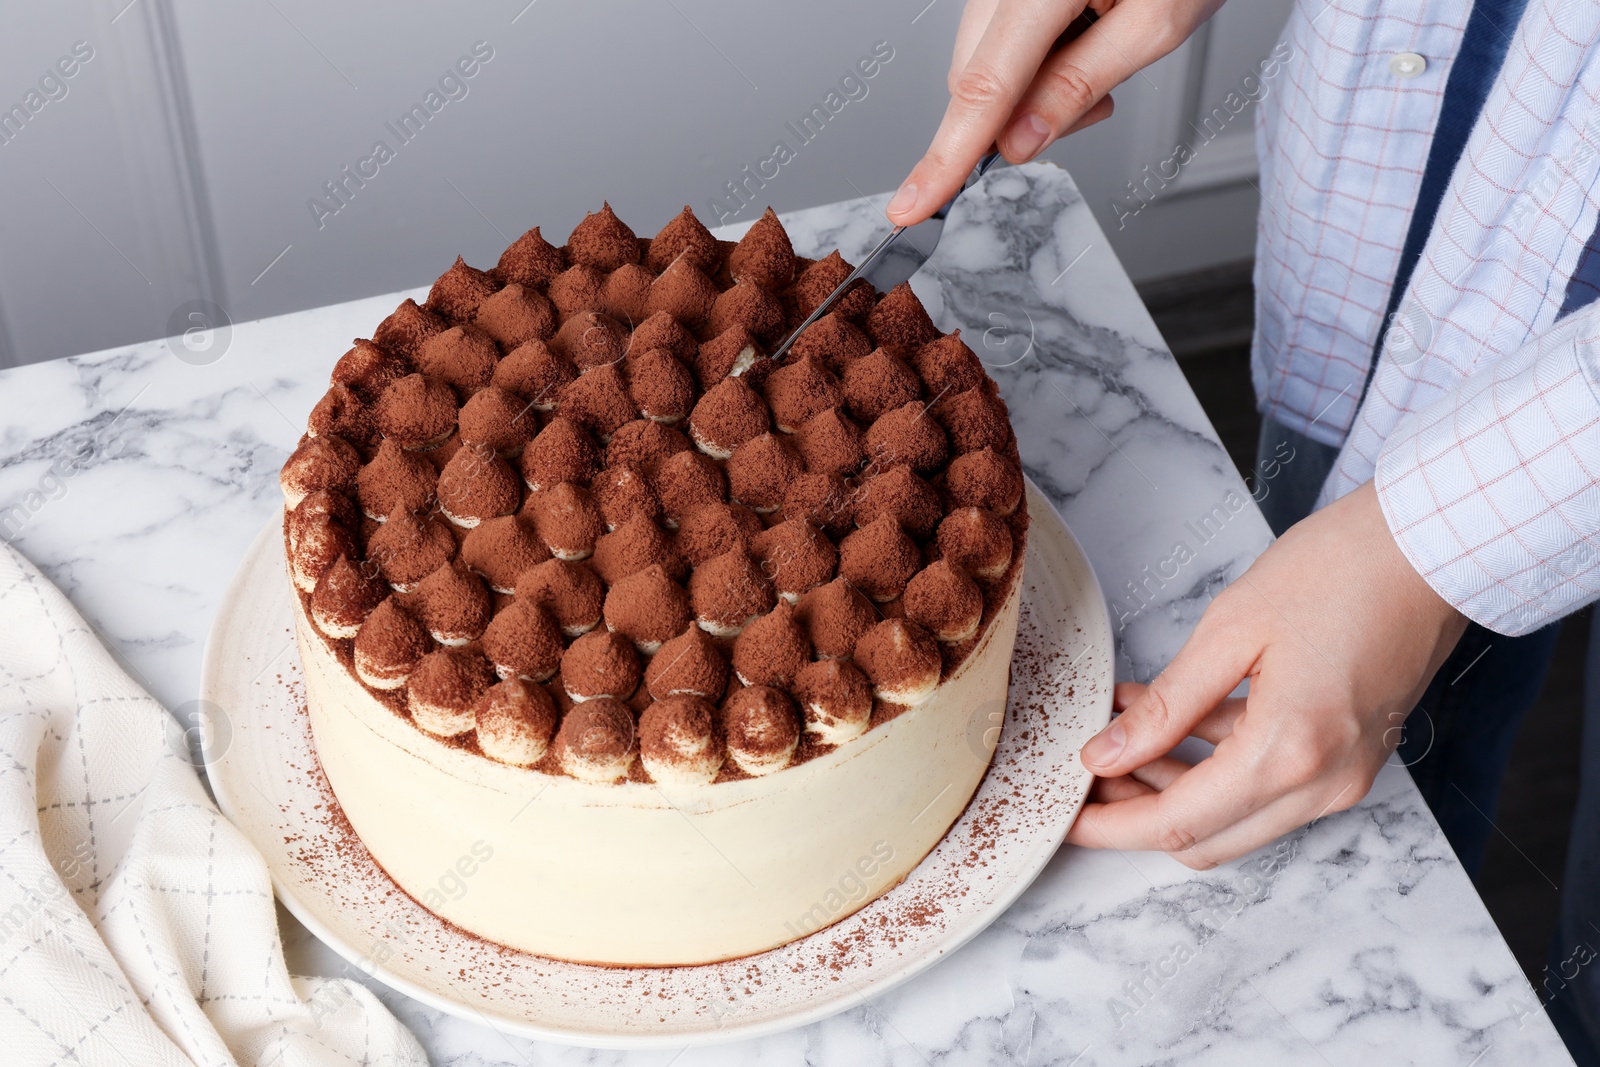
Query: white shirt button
x=1407 y=65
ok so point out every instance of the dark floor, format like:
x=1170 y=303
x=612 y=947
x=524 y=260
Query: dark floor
x=1206 y=319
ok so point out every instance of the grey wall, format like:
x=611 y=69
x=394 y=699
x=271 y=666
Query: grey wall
x=183 y=157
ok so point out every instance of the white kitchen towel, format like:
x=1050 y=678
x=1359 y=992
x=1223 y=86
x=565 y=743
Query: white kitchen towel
x=136 y=923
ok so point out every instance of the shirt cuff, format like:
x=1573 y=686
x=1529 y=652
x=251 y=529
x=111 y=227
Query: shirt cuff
x=1493 y=491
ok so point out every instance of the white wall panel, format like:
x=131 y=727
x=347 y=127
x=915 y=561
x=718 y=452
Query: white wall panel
x=194 y=141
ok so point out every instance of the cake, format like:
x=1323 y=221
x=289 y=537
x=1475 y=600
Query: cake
x=628 y=644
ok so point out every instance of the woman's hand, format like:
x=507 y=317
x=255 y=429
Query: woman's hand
x=1338 y=635
x=1025 y=72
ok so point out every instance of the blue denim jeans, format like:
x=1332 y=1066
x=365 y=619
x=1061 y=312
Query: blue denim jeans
x=1458 y=739
x=1571 y=984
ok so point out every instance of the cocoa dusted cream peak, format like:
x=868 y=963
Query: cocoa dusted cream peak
x=514 y=722
x=685 y=236
x=688 y=664
x=443 y=691
x=595 y=742
x=763 y=729
x=763 y=255
x=343 y=598
x=531 y=261
x=324 y=462
x=571 y=592
x=901 y=660
x=603 y=241
x=681 y=741
x=836 y=698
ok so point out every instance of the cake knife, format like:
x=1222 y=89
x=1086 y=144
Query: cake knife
x=897 y=257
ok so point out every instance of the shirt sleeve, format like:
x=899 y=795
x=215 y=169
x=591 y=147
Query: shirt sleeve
x=1491 y=490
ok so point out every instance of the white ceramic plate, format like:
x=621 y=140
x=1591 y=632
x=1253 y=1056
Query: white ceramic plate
x=266 y=778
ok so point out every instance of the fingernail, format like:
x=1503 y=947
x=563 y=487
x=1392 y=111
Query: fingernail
x=905 y=198
x=1028 y=136
x=1103 y=748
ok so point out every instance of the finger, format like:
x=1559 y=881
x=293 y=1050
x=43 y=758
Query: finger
x=1199 y=804
x=977 y=15
x=1160 y=773
x=1219 y=724
x=1099 y=113
x=1013 y=45
x=1280 y=817
x=1125 y=695
x=1109 y=790
x=1029 y=134
x=1075 y=78
x=1151 y=778
x=1213 y=728
x=1219 y=653
x=975 y=18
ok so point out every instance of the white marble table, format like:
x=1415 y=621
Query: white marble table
x=135 y=479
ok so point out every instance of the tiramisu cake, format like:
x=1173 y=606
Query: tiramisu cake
x=628 y=644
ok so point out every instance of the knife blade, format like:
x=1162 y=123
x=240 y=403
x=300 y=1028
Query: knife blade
x=896 y=258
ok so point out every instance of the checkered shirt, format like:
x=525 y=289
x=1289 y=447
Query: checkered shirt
x=1481 y=421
